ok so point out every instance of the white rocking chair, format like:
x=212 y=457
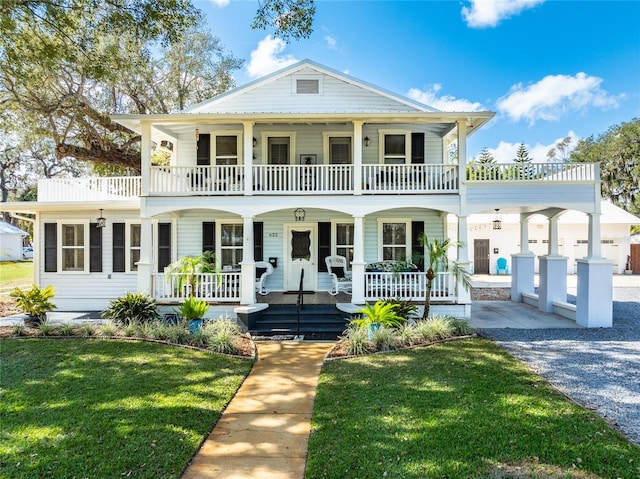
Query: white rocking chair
x=262 y=279
x=337 y=267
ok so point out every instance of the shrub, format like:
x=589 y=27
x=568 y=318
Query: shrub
x=45 y=328
x=130 y=329
x=384 y=339
x=146 y=330
x=221 y=336
x=405 y=309
x=67 y=329
x=132 y=307
x=192 y=308
x=18 y=330
x=461 y=327
x=437 y=327
x=108 y=329
x=177 y=334
x=35 y=302
x=357 y=340
x=87 y=330
x=406 y=335
x=198 y=338
x=380 y=313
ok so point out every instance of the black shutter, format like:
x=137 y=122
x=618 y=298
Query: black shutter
x=50 y=247
x=258 y=241
x=208 y=235
x=95 y=248
x=417 y=250
x=203 y=156
x=417 y=147
x=118 y=248
x=324 y=245
x=164 y=246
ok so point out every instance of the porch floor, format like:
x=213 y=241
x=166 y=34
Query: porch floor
x=319 y=297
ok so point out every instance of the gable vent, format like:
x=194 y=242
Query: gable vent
x=307 y=87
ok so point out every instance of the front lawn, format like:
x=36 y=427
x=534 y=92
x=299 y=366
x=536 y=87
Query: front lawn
x=464 y=409
x=98 y=409
x=15 y=273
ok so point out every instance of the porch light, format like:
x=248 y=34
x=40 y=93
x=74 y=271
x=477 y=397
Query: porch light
x=497 y=223
x=366 y=141
x=299 y=214
x=255 y=142
x=197 y=134
x=101 y=222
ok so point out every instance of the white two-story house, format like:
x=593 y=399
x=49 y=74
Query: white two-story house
x=304 y=164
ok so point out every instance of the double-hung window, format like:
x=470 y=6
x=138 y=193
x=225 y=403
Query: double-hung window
x=226 y=150
x=344 y=240
x=340 y=150
x=73 y=245
x=279 y=150
x=134 y=246
x=395 y=146
x=231 y=236
x=395 y=240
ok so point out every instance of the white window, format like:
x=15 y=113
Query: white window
x=340 y=151
x=134 y=232
x=279 y=147
x=74 y=246
x=394 y=239
x=344 y=240
x=395 y=147
x=231 y=239
x=226 y=149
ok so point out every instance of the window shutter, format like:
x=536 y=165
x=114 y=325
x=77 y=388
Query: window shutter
x=164 y=246
x=95 y=248
x=324 y=245
x=417 y=250
x=209 y=236
x=50 y=247
x=203 y=156
x=417 y=147
x=258 y=241
x=118 y=248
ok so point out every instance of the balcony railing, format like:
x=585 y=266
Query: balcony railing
x=223 y=287
x=409 y=286
x=308 y=179
x=89 y=188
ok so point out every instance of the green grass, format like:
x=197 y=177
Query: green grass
x=99 y=409
x=15 y=273
x=463 y=409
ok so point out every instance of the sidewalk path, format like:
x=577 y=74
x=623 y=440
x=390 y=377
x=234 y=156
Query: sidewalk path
x=264 y=431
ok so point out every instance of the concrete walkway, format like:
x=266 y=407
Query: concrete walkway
x=264 y=431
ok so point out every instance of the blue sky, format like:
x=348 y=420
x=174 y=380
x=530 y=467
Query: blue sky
x=548 y=68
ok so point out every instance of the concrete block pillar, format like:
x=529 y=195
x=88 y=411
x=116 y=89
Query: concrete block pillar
x=594 y=307
x=522 y=275
x=553 y=281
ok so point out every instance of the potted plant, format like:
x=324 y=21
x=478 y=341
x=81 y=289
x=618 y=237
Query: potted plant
x=35 y=302
x=192 y=312
x=381 y=313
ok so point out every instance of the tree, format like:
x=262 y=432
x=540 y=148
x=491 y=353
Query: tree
x=561 y=151
x=291 y=19
x=522 y=161
x=486 y=157
x=618 y=152
x=436 y=259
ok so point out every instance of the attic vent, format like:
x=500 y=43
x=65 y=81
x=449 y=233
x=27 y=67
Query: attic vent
x=307 y=87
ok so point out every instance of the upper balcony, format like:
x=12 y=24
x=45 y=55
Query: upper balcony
x=287 y=180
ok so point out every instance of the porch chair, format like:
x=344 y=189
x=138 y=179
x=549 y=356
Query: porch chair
x=263 y=270
x=337 y=267
x=501 y=266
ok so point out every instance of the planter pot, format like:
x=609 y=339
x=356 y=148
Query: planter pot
x=373 y=327
x=195 y=325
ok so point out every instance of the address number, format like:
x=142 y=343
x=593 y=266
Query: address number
x=273 y=235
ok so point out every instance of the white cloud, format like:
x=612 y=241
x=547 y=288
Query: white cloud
x=220 y=3
x=445 y=103
x=331 y=42
x=267 y=58
x=505 y=152
x=488 y=13
x=554 y=96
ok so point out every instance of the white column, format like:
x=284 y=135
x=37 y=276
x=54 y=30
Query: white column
x=524 y=234
x=247 y=265
x=357 y=157
x=464 y=295
x=358 y=264
x=146 y=256
x=522 y=264
x=248 y=157
x=553 y=272
x=553 y=236
x=462 y=160
x=594 y=249
x=145 y=157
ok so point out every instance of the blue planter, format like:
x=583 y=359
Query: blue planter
x=373 y=327
x=195 y=325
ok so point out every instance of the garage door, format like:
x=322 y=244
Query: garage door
x=609 y=250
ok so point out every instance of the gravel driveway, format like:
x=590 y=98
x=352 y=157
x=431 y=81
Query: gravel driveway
x=598 y=368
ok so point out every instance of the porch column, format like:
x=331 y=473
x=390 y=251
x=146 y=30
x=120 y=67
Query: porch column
x=145 y=263
x=594 y=305
x=145 y=158
x=357 y=157
x=462 y=160
x=358 y=264
x=464 y=294
x=247 y=265
x=522 y=264
x=247 y=160
x=553 y=272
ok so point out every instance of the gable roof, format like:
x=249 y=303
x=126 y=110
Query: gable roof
x=373 y=98
x=7 y=228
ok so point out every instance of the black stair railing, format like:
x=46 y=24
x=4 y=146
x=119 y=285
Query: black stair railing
x=299 y=302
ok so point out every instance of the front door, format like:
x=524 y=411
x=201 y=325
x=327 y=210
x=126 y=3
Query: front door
x=481 y=256
x=300 y=255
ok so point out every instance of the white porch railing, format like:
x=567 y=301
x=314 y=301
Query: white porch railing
x=302 y=179
x=89 y=188
x=409 y=286
x=222 y=287
x=544 y=172
x=415 y=178
x=197 y=180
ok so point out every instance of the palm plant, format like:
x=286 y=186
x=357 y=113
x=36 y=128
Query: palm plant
x=188 y=269
x=435 y=255
x=380 y=312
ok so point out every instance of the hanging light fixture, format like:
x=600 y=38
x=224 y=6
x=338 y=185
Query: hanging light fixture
x=497 y=223
x=255 y=141
x=366 y=141
x=197 y=134
x=299 y=214
x=101 y=222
